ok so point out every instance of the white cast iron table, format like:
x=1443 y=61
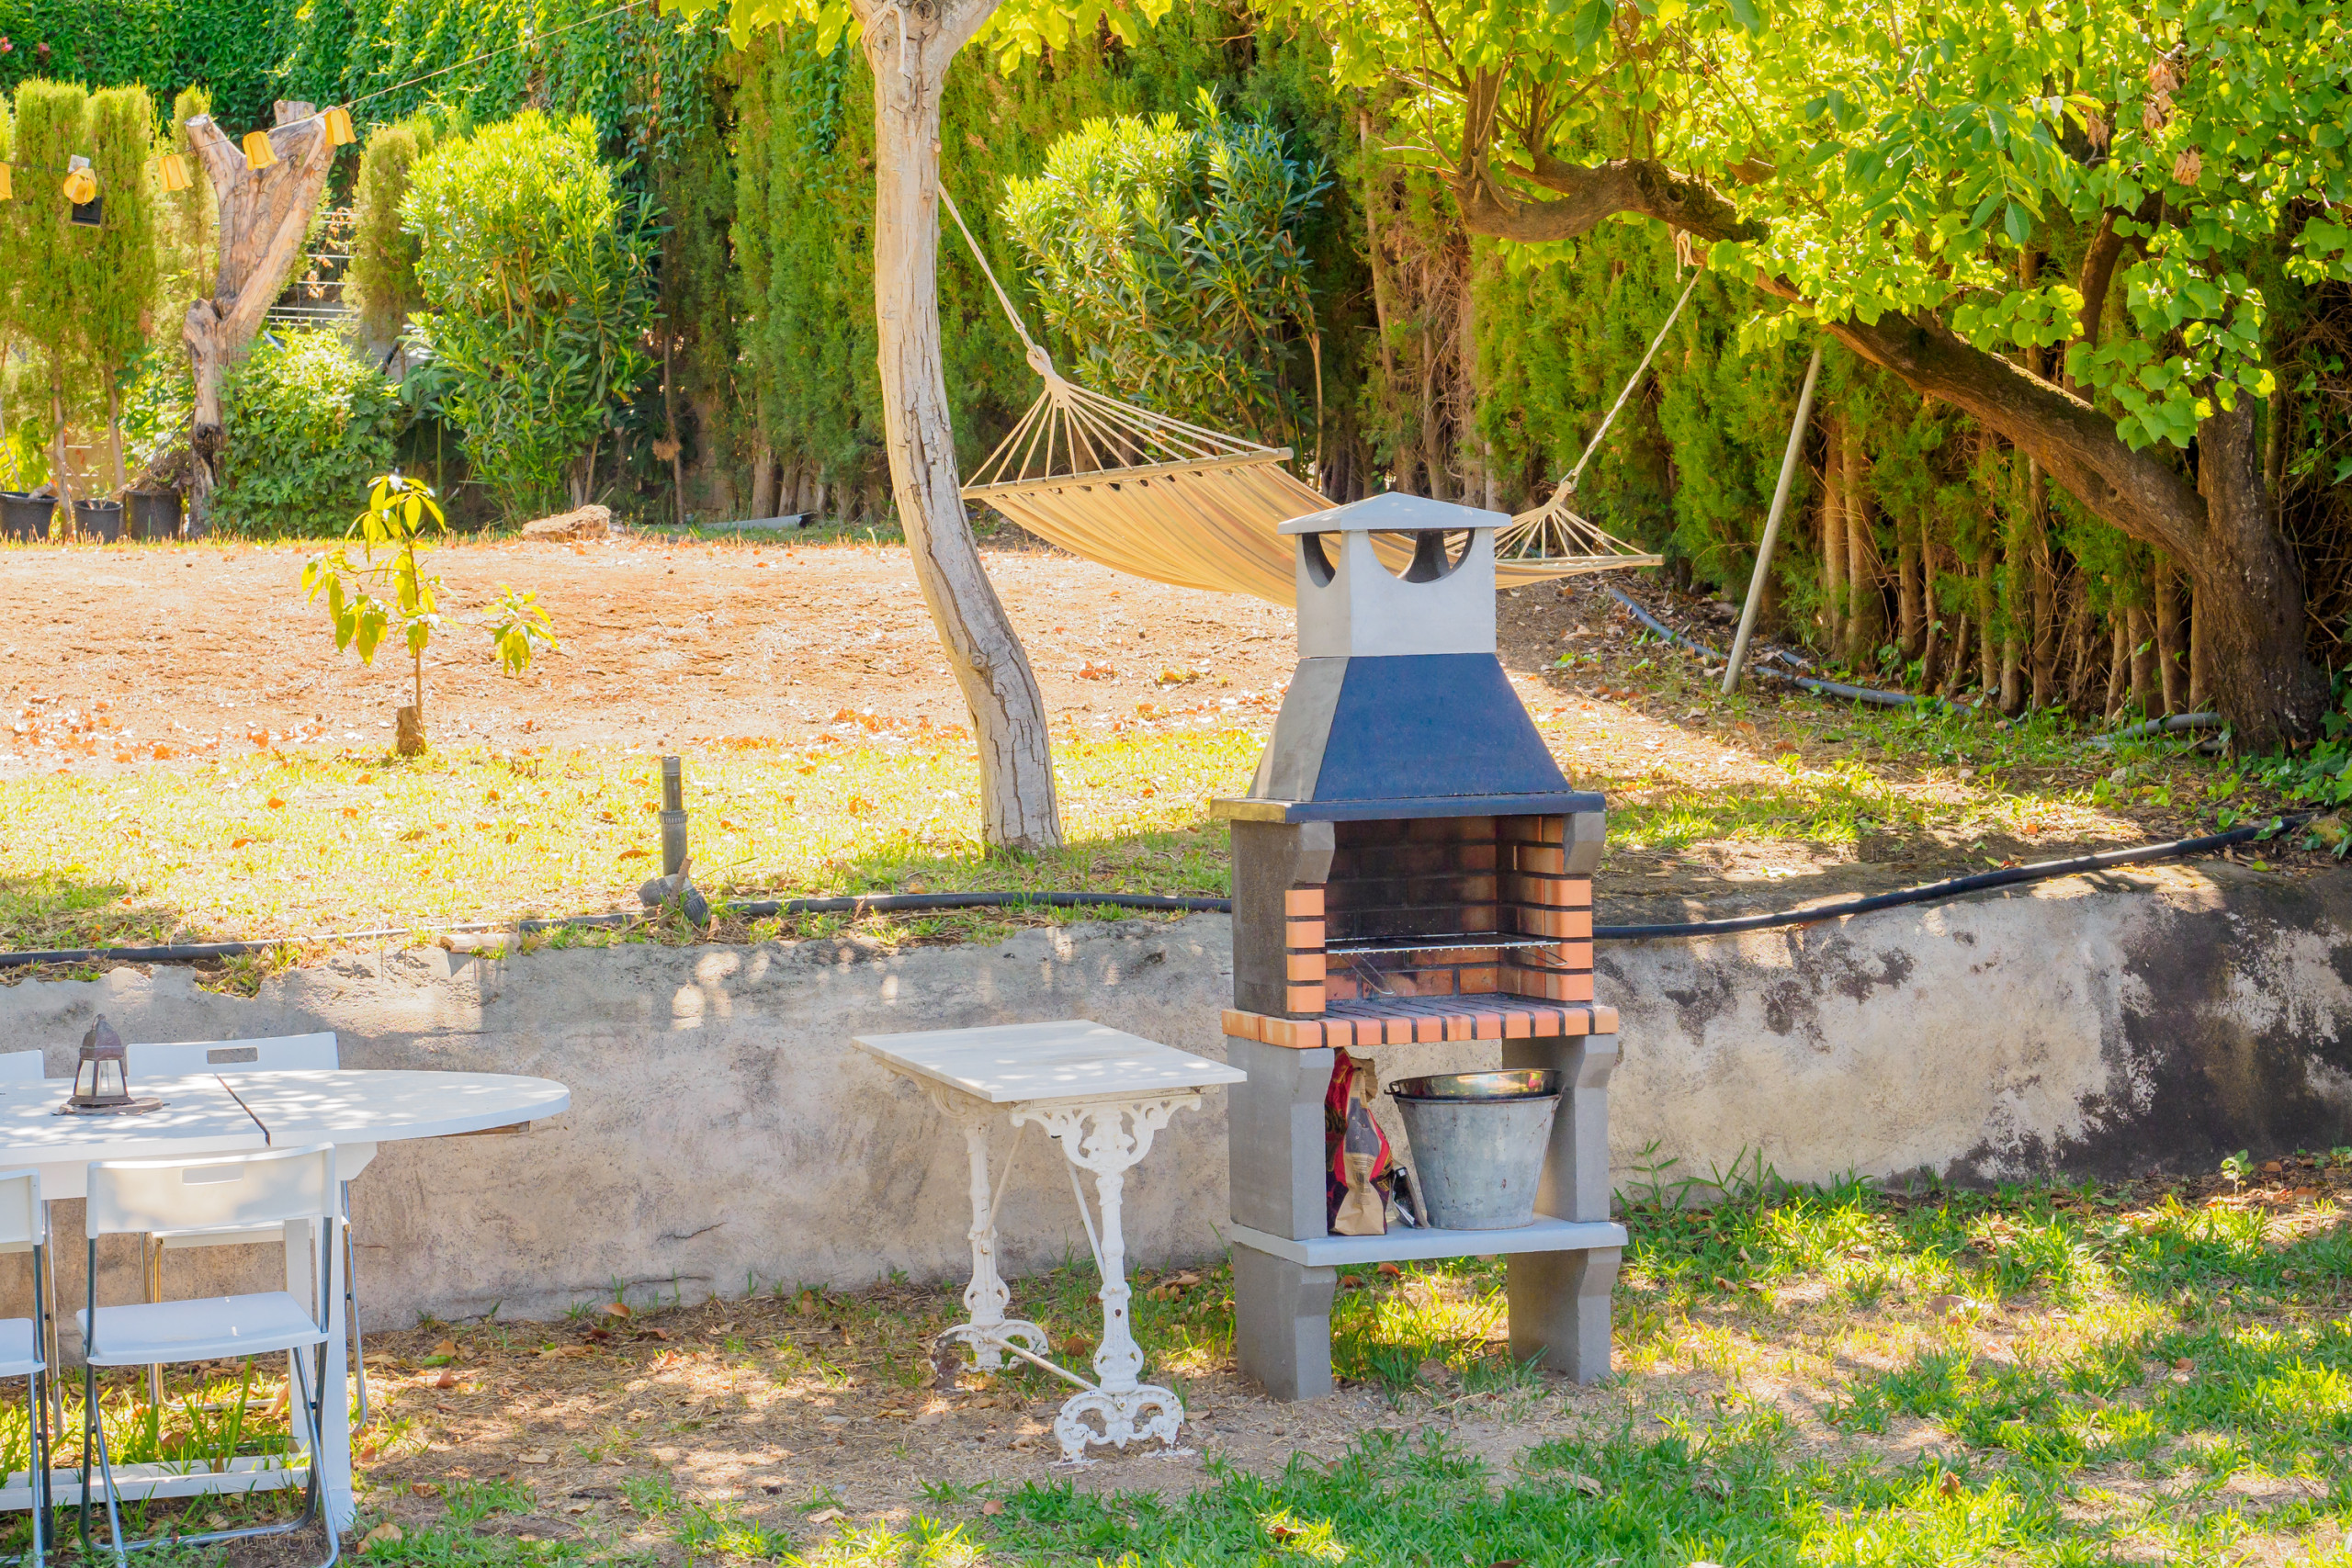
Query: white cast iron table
x=356 y=1110
x=1103 y=1094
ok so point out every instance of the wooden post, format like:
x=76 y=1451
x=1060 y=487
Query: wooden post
x=265 y=216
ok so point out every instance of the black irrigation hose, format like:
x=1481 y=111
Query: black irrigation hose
x=1756 y=667
x=854 y=904
x=892 y=903
x=1954 y=887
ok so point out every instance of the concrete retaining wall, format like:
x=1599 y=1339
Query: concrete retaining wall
x=724 y=1135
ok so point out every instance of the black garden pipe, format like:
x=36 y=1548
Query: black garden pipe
x=908 y=902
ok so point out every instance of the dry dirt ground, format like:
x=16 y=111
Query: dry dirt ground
x=176 y=650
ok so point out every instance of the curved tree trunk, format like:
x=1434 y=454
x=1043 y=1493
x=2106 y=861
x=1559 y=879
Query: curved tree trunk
x=265 y=217
x=909 y=47
x=2226 y=540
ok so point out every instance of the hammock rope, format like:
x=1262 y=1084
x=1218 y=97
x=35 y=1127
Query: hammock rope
x=1554 y=531
x=1162 y=498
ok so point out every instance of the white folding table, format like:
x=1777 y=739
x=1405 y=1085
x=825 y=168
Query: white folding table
x=207 y=1114
x=1102 y=1093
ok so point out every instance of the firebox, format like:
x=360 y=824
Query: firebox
x=1410 y=868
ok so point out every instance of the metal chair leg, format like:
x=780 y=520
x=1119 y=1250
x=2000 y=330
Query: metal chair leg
x=351 y=1307
x=36 y=1481
x=152 y=1253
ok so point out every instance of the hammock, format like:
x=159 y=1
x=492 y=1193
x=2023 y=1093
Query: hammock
x=1176 y=503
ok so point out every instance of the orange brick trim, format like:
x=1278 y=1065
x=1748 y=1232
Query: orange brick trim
x=1538 y=1020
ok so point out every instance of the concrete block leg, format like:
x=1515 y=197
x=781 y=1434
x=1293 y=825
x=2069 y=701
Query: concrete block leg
x=1559 y=1309
x=1282 y=1324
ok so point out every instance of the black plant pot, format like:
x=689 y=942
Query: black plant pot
x=25 y=516
x=154 y=515
x=99 y=520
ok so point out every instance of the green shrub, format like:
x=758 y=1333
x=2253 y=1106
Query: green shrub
x=534 y=265
x=1170 y=257
x=313 y=426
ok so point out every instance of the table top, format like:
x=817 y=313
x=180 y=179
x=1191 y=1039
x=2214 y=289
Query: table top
x=1067 y=1059
x=283 y=1109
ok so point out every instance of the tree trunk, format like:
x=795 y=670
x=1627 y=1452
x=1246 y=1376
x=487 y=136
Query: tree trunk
x=669 y=425
x=1481 y=486
x=265 y=216
x=2144 y=660
x=2045 y=587
x=1932 y=624
x=114 y=440
x=1866 y=619
x=1910 y=623
x=2251 y=591
x=1383 y=308
x=1833 y=542
x=2200 y=659
x=2172 y=677
x=1434 y=463
x=2228 y=541
x=1956 y=665
x=57 y=472
x=2078 y=645
x=1988 y=650
x=762 y=480
x=2118 y=660
x=909 y=54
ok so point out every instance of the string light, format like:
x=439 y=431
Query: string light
x=7 y=184
x=338 y=123
x=81 y=185
x=259 y=153
x=174 y=172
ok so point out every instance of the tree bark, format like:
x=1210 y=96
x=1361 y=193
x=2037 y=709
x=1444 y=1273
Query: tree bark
x=1931 y=624
x=2078 y=645
x=2144 y=660
x=908 y=47
x=1833 y=541
x=1910 y=624
x=1988 y=651
x=1384 y=310
x=2118 y=659
x=762 y=480
x=265 y=216
x=1866 y=612
x=2200 y=680
x=2172 y=675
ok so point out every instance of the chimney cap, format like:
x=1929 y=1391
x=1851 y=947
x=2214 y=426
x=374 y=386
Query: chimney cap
x=1394 y=511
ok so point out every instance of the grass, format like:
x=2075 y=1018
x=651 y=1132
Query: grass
x=2037 y=1375
x=299 y=843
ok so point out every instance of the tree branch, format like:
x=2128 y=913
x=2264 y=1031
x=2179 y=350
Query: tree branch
x=1589 y=194
x=2075 y=444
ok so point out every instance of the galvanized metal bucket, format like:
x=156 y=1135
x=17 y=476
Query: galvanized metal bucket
x=1478 y=1142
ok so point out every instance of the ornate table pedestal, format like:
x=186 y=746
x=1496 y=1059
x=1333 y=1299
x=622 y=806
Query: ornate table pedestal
x=1102 y=1096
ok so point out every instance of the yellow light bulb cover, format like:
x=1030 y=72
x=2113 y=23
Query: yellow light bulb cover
x=259 y=153
x=7 y=184
x=339 y=131
x=81 y=187
x=174 y=172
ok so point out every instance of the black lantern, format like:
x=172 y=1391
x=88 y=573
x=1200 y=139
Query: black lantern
x=102 y=1078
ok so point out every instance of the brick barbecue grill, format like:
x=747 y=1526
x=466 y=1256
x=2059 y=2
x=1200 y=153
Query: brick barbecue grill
x=1409 y=868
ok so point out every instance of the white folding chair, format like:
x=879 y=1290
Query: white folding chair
x=21 y=1066
x=191 y=1058
x=293 y=1190
x=24 y=1227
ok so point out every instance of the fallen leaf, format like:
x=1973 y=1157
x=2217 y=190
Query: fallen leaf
x=446 y=1348
x=577 y=1508
x=992 y=1507
x=420 y=1488
x=385 y=1534
x=1586 y=1483
x=536 y=1456
x=826 y=1516
x=615 y=1308
x=1949 y=1485
x=1392 y=1272
x=2183 y=1365
x=445 y=1377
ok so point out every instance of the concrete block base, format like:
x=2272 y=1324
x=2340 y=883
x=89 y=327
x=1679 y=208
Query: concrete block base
x=1282 y=1324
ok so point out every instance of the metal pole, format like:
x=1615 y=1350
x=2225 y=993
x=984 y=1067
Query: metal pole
x=1772 y=524
x=674 y=817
